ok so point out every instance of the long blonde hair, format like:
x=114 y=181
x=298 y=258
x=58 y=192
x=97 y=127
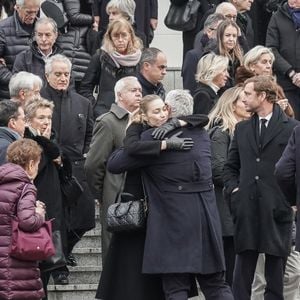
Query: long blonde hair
x=223 y=112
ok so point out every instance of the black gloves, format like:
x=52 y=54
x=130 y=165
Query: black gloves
x=160 y=132
x=176 y=143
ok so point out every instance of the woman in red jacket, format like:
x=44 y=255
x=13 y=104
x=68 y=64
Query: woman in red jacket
x=19 y=279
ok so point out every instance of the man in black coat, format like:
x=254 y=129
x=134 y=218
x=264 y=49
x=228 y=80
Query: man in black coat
x=73 y=124
x=12 y=125
x=262 y=216
x=183 y=234
x=15 y=32
x=33 y=59
x=153 y=68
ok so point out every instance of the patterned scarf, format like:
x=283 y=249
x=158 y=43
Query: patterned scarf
x=295 y=14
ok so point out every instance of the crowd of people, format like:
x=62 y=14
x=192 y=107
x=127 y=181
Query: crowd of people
x=83 y=104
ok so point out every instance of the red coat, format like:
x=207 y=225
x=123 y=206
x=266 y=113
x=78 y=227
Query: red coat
x=18 y=279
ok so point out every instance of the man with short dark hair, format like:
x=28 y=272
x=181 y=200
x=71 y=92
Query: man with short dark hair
x=262 y=216
x=12 y=125
x=15 y=32
x=153 y=68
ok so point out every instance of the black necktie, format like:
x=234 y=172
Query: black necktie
x=263 y=129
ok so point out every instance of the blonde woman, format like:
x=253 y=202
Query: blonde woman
x=118 y=57
x=228 y=111
x=211 y=75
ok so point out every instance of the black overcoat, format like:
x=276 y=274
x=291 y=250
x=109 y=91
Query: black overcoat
x=286 y=171
x=183 y=229
x=73 y=123
x=263 y=217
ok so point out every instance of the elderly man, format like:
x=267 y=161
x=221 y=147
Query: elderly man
x=24 y=86
x=153 y=68
x=12 y=125
x=262 y=216
x=33 y=60
x=192 y=57
x=183 y=234
x=15 y=31
x=73 y=124
x=108 y=135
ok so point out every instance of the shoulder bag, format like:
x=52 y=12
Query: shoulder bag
x=127 y=213
x=31 y=246
x=182 y=17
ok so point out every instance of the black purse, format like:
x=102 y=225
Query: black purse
x=127 y=213
x=182 y=17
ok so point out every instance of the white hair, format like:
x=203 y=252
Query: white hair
x=126 y=7
x=121 y=84
x=54 y=58
x=181 y=102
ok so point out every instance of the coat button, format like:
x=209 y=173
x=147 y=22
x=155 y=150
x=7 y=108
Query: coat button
x=256 y=177
x=258 y=159
x=179 y=187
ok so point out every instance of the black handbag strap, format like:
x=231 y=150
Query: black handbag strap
x=118 y=198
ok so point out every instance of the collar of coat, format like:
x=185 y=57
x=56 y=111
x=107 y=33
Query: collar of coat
x=118 y=111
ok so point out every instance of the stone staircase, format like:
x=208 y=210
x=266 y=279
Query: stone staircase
x=83 y=278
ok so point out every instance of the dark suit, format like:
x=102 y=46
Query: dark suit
x=262 y=216
x=183 y=229
x=286 y=171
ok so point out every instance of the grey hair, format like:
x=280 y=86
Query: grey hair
x=46 y=20
x=126 y=7
x=149 y=55
x=33 y=105
x=253 y=55
x=181 y=102
x=223 y=6
x=23 y=81
x=213 y=19
x=121 y=84
x=54 y=58
x=209 y=66
x=21 y=3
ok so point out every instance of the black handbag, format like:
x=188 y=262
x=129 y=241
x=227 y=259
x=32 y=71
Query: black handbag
x=58 y=260
x=182 y=17
x=127 y=216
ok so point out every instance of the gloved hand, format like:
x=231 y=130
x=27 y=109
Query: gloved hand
x=160 y=132
x=177 y=143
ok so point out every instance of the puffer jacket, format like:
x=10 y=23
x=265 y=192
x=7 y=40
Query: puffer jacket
x=18 y=279
x=13 y=40
x=31 y=60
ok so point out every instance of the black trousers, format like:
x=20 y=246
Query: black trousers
x=245 y=265
x=229 y=254
x=213 y=286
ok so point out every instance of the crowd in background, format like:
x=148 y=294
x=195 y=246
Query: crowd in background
x=83 y=100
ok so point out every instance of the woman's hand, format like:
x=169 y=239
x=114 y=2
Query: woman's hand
x=47 y=131
x=40 y=208
x=283 y=103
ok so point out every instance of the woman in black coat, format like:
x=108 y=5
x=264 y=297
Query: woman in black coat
x=38 y=114
x=111 y=63
x=222 y=120
x=211 y=76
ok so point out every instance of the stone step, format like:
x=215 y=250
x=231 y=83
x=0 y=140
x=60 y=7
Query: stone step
x=88 y=256
x=72 y=292
x=92 y=239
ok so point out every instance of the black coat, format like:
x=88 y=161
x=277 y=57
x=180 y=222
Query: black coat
x=103 y=72
x=32 y=61
x=220 y=142
x=262 y=216
x=73 y=123
x=7 y=136
x=287 y=171
x=47 y=181
x=284 y=40
x=183 y=220
x=150 y=89
x=204 y=99
x=13 y=40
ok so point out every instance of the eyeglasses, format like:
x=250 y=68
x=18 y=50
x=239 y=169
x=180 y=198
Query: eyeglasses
x=212 y=29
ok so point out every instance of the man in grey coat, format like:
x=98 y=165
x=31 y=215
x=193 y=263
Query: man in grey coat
x=108 y=135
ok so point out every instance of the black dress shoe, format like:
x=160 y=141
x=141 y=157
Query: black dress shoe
x=61 y=279
x=71 y=260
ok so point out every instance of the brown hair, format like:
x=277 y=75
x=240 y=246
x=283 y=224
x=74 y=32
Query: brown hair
x=116 y=26
x=22 y=151
x=266 y=84
x=236 y=51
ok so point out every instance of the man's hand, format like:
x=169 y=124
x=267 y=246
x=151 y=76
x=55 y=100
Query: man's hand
x=160 y=132
x=176 y=143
